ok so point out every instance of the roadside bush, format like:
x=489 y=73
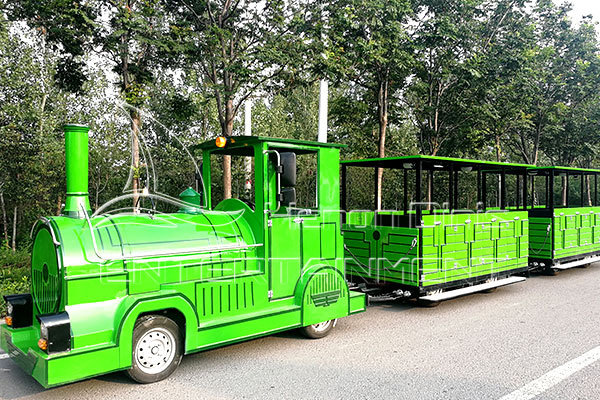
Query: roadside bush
x=14 y=274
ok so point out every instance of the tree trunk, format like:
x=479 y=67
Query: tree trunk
x=136 y=121
x=227 y=131
x=4 y=219
x=14 y=231
x=59 y=205
x=498 y=149
x=382 y=105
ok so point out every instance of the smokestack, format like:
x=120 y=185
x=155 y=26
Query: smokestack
x=76 y=157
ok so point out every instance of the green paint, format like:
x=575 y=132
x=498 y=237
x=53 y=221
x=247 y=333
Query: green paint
x=76 y=158
x=569 y=232
x=231 y=273
x=459 y=161
x=192 y=200
x=453 y=247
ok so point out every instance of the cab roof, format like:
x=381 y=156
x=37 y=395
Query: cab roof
x=237 y=141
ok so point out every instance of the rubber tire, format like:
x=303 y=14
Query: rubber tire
x=142 y=326
x=550 y=272
x=427 y=303
x=311 y=333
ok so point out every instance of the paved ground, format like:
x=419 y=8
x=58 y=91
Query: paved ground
x=483 y=346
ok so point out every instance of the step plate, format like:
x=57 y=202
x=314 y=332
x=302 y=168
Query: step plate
x=472 y=289
x=572 y=264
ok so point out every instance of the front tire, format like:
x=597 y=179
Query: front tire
x=320 y=330
x=157 y=349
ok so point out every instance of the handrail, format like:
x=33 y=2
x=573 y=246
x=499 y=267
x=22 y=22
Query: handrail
x=46 y=222
x=278 y=191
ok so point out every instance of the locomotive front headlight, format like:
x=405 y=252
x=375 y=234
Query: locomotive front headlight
x=19 y=310
x=43 y=331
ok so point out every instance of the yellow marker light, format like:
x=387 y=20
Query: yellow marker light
x=8 y=321
x=43 y=344
x=221 y=141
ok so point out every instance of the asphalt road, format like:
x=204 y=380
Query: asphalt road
x=482 y=346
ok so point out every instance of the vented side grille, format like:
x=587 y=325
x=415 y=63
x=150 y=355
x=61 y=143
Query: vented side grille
x=46 y=290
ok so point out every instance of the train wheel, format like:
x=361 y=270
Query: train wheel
x=320 y=330
x=492 y=290
x=157 y=349
x=427 y=303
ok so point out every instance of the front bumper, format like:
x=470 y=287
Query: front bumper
x=56 y=369
x=19 y=345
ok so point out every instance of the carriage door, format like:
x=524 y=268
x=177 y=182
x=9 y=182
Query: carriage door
x=285 y=255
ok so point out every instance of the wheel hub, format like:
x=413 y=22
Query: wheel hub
x=155 y=351
x=322 y=326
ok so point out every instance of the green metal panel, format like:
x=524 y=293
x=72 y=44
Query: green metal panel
x=285 y=260
x=453 y=248
x=569 y=232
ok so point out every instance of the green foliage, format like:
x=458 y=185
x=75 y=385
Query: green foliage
x=241 y=47
x=491 y=79
x=14 y=274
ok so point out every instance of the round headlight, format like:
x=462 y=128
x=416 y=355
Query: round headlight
x=9 y=309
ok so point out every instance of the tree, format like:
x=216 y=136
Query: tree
x=128 y=34
x=240 y=47
x=369 y=44
x=28 y=149
x=453 y=39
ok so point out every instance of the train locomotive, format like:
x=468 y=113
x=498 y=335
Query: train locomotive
x=135 y=291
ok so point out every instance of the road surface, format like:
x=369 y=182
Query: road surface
x=536 y=338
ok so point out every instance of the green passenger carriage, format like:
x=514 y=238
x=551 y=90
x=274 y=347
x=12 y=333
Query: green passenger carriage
x=447 y=227
x=564 y=215
x=135 y=291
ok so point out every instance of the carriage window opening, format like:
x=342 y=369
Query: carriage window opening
x=242 y=178
x=306 y=180
x=360 y=188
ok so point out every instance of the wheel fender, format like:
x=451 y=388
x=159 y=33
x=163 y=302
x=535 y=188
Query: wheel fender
x=323 y=294
x=148 y=305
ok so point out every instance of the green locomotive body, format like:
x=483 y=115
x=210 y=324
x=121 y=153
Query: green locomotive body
x=137 y=291
x=436 y=251
x=564 y=218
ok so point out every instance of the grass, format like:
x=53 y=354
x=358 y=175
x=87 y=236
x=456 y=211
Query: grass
x=14 y=274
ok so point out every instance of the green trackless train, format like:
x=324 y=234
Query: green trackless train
x=136 y=291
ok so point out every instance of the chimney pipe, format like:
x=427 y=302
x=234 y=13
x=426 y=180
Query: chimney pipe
x=76 y=158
